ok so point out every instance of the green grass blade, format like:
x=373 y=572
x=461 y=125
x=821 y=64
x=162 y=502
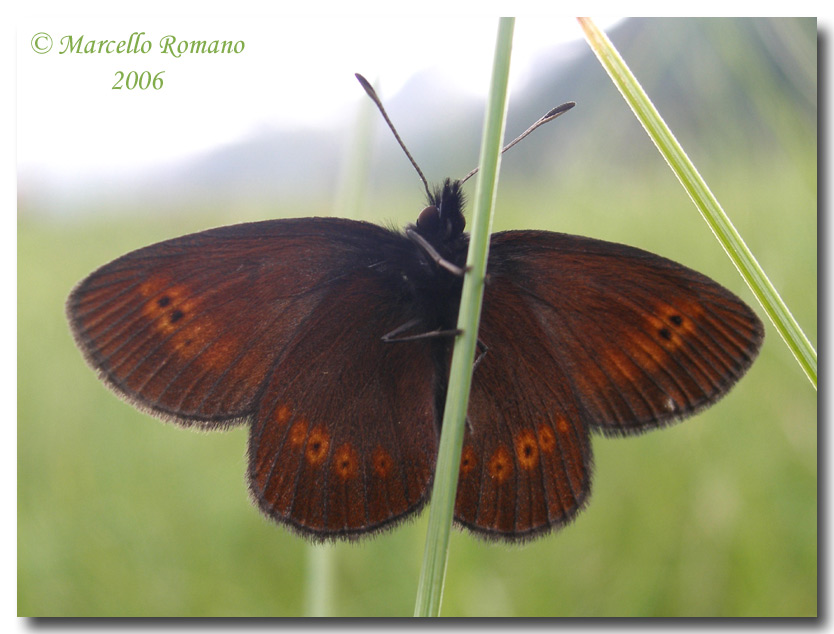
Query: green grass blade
x=430 y=588
x=703 y=198
x=318 y=588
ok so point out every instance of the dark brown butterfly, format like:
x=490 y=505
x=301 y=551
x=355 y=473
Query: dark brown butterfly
x=332 y=339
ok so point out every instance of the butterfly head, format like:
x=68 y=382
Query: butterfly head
x=442 y=220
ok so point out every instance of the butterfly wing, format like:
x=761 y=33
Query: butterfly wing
x=647 y=341
x=280 y=323
x=526 y=457
x=603 y=336
x=344 y=440
x=189 y=328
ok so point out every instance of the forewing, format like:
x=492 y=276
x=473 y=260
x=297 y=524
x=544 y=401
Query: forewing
x=644 y=340
x=190 y=328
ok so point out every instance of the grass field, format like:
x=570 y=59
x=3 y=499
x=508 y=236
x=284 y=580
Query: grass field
x=122 y=515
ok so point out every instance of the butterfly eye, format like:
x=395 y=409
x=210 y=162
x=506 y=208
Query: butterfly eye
x=428 y=222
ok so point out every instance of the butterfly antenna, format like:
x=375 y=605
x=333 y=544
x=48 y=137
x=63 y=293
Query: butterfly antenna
x=547 y=118
x=372 y=94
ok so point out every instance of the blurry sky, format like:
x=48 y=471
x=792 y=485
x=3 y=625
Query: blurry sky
x=292 y=72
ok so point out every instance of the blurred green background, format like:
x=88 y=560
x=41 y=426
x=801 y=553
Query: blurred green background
x=120 y=515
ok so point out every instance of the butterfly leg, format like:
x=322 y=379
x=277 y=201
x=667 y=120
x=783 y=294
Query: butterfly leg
x=433 y=254
x=483 y=349
x=396 y=334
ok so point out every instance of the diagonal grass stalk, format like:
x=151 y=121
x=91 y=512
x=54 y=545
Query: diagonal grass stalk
x=703 y=198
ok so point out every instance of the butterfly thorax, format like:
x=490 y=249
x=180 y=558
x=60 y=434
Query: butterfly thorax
x=440 y=224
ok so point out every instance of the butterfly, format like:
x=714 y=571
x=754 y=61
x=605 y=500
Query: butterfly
x=332 y=338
